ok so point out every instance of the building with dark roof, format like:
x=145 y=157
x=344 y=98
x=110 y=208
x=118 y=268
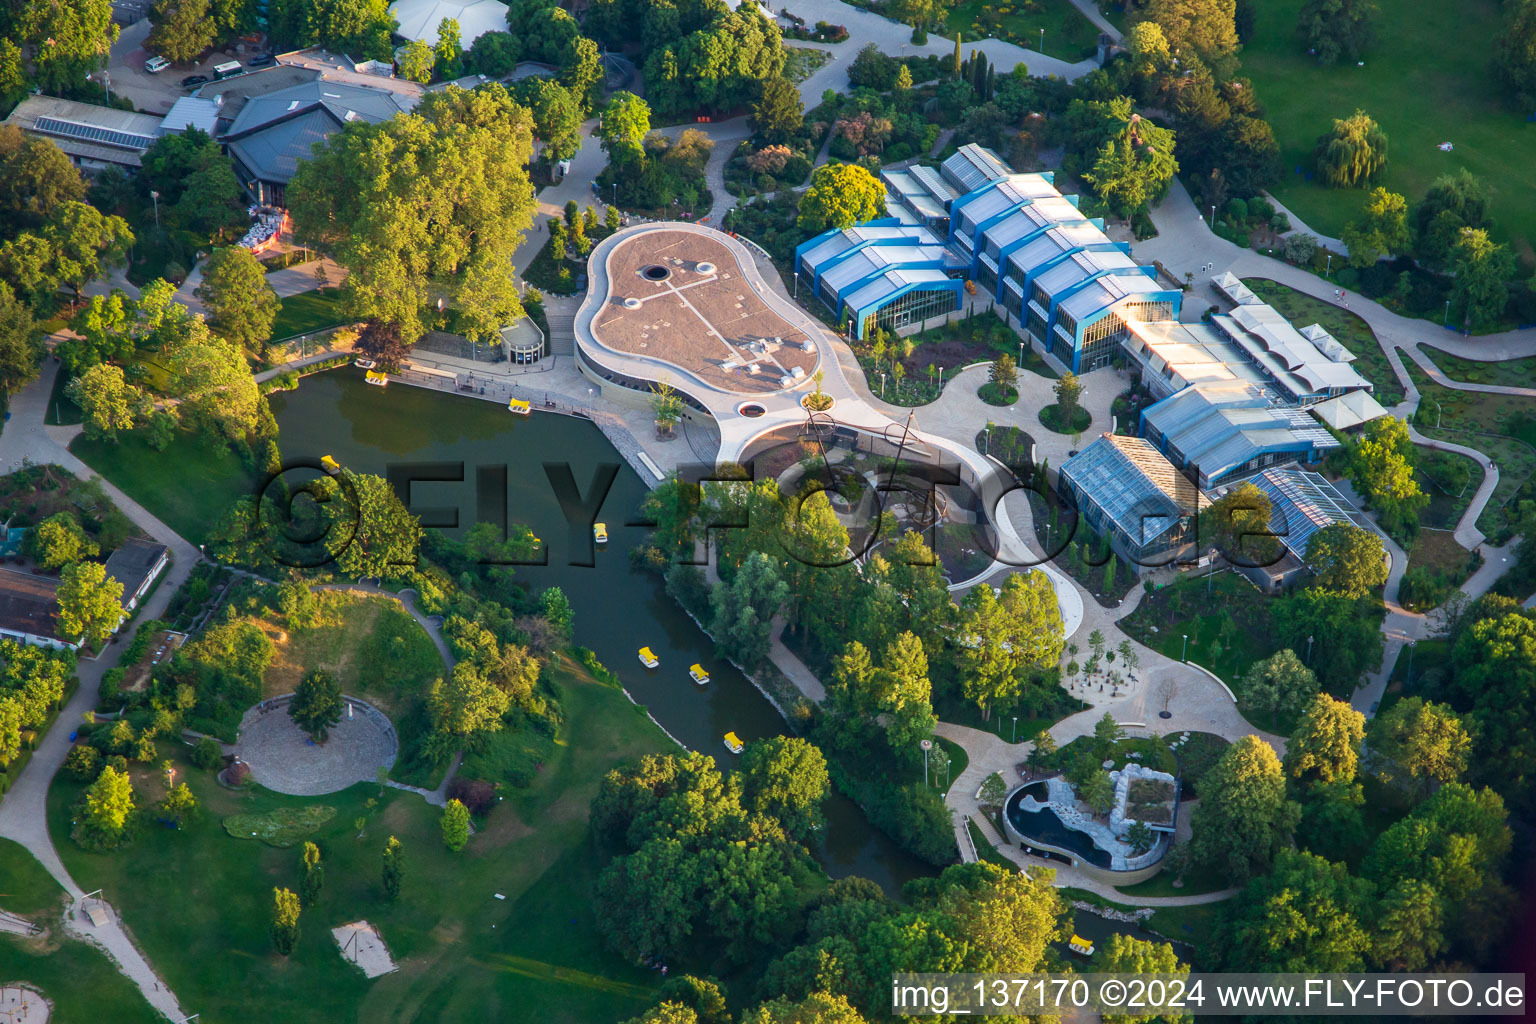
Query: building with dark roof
x=274 y=132
x=136 y=564
x=29 y=609
x=1126 y=489
x=92 y=136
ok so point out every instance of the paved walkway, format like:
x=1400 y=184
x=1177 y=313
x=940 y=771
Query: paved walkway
x=23 y=812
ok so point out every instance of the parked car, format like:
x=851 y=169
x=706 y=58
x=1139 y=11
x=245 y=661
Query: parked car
x=261 y=60
x=155 y=65
x=191 y=80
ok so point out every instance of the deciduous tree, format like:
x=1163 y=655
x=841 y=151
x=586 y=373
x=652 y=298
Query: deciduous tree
x=241 y=304
x=1423 y=740
x=1353 y=153
x=372 y=534
x=416 y=61
x=109 y=802
x=1326 y=743
x=1203 y=28
x=626 y=122
x=66 y=41
x=1483 y=269
x=1335 y=30
x=57 y=541
x=89 y=607
x=1124 y=954
x=107 y=402
x=1347 y=559
x=182 y=29
x=786 y=778
x=1381 y=230
x=1303 y=916
x=1243 y=819
x=840 y=196
x=424 y=206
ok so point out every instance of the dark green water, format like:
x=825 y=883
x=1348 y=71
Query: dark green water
x=618 y=610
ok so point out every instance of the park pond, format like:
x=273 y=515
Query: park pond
x=618 y=610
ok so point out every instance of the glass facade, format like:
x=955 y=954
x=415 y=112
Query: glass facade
x=913 y=308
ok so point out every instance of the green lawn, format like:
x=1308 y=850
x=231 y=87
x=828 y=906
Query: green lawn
x=373 y=647
x=189 y=486
x=463 y=953
x=1196 y=881
x=25 y=888
x=1503 y=427
x=79 y=979
x=83 y=984
x=1228 y=629
x=1068 y=35
x=1519 y=373
x=1427 y=80
x=939 y=780
x=1353 y=332
x=1440 y=475
x=984 y=848
x=308 y=311
x=62 y=410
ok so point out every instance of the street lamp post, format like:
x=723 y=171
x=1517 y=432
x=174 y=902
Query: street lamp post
x=615 y=193
x=1042 y=42
x=1309 y=650
x=882 y=385
x=1328 y=268
x=156 y=197
x=797 y=285
x=1447 y=312
x=1184 y=651
x=1411 y=645
x=927 y=745
x=1213 y=218
x=1015 y=728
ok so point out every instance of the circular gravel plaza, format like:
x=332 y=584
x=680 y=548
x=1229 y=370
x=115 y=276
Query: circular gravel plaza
x=284 y=759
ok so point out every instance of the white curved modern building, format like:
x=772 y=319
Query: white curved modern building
x=687 y=305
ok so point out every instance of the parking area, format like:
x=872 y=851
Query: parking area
x=155 y=94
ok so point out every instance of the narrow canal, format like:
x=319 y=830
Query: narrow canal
x=618 y=610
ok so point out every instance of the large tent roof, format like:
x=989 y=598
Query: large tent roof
x=419 y=18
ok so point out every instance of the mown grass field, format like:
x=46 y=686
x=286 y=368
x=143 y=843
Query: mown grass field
x=1068 y=35
x=306 y=312
x=198 y=901
x=1428 y=79
x=189 y=486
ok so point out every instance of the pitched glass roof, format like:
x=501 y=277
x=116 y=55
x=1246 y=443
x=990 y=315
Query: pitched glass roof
x=1303 y=503
x=1135 y=485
